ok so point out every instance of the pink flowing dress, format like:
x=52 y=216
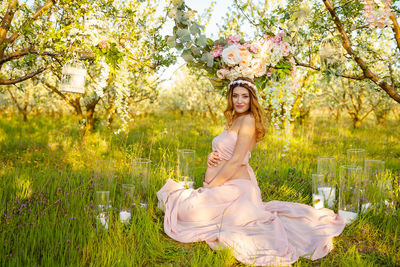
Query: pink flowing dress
x=234 y=216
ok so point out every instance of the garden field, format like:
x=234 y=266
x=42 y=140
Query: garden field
x=49 y=174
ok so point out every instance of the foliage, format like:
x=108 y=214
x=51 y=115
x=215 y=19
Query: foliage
x=118 y=41
x=232 y=57
x=189 y=91
x=47 y=210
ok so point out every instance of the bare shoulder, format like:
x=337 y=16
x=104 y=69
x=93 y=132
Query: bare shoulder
x=247 y=122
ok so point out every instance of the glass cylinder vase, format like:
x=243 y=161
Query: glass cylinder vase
x=104 y=174
x=349 y=193
x=140 y=171
x=186 y=164
x=370 y=186
x=127 y=202
x=102 y=201
x=356 y=157
x=317 y=197
x=327 y=185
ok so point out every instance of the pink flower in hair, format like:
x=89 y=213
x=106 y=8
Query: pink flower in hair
x=233 y=39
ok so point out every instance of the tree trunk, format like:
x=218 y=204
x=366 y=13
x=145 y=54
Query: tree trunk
x=356 y=123
x=338 y=115
x=25 y=115
x=381 y=118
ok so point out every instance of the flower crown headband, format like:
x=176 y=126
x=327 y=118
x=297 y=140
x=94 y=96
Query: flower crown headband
x=240 y=81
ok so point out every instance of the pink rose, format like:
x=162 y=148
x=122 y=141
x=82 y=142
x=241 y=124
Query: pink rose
x=255 y=47
x=222 y=73
x=104 y=44
x=269 y=73
x=285 y=47
x=217 y=51
x=233 y=39
x=278 y=39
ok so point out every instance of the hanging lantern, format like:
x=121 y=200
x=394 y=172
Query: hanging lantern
x=73 y=77
x=330 y=51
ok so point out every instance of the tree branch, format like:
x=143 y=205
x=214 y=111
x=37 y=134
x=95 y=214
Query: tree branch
x=24 y=52
x=6 y=21
x=363 y=65
x=73 y=103
x=47 y=6
x=23 y=78
x=14 y=99
x=395 y=28
x=359 y=78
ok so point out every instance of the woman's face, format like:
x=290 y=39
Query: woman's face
x=240 y=99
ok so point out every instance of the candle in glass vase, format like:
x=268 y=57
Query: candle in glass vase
x=329 y=194
x=365 y=207
x=318 y=201
x=348 y=216
x=103 y=218
x=124 y=216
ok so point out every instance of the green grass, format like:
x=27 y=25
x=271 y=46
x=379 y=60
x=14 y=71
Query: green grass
x=48 y=176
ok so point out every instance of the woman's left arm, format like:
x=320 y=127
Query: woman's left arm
x=246 y=134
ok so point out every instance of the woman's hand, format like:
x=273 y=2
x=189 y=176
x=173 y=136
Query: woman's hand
x=213 y=159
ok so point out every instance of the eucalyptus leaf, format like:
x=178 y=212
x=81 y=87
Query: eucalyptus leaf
x=187 y=55
x=179 y=46
x=221 y=41
x=201 y=41
x=210 y=60
x=183 y=35
x=204 y=57
x=171 y=41
x=195 y=29
x=195 y=51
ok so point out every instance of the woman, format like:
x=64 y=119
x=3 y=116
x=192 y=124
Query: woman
x=228 y=210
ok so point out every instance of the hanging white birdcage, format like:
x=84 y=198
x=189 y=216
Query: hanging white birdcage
x=330 y=51
x=73 y=77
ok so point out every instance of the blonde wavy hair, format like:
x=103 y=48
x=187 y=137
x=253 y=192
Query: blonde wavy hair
x=255 y=108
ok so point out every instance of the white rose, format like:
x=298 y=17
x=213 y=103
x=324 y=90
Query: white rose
x=246 y=72
x=222 y=73
x=172 y=13
x=259 y=67
x=276 y=56
x=234 y=73
x=267 y=46
x=231 y=55
x=177 y=2
x=245 y=56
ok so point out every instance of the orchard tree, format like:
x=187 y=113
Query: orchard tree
x=189 y=91
x=367 y=32
x=119 y=42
